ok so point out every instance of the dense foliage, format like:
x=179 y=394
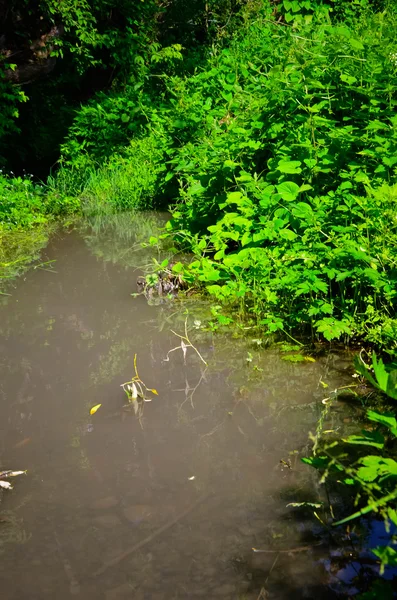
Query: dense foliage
x=62 y=52
x=281 y=166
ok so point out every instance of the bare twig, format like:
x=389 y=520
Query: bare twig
x=288 y=551
x=185 y=343
x=151 y=537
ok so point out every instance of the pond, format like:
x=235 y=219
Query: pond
x=187 y=501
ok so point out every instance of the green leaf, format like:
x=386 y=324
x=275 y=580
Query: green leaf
x=348 y=78
x=372 y=506
x=375 y=467
x=386 y=419
x=288 y=190
x=289 y=166
x=302 y=210
x=381 y=374
x=356 y=44
x=287 y=234
x=387 y=555
x=317 y=462
x=369 y=438
x=228 y=96
x=235 y=198
x=332 y=329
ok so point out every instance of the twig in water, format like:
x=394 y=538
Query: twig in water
x=185 y=343
x=262 y=594
x=273 y=565
x=188 y=389
x=290 y=551
x=74 y=586
x=151 y=537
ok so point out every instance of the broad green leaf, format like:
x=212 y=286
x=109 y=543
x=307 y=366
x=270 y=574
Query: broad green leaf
x=289 y=166
x=318 y=462
x=368 y=438
x=348 y=78
x=288 y=190
x=374 y=467
x=287 y=234
x=386 y=419
x=235 y=197
x=302 y=210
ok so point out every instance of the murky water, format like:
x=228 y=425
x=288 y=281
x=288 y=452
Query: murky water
x=168 y=506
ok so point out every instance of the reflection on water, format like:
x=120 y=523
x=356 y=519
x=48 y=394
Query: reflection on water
x=172 y=509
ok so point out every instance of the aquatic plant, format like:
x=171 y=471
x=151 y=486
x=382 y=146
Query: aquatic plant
x=137 y=392
x=370 y=478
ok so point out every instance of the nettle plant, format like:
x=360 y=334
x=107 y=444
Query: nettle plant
x=290 y=185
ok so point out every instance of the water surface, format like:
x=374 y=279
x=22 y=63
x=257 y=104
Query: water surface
x=169 y=505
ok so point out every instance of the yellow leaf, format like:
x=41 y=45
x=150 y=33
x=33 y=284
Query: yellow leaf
x=325 y=385
x=95 y=408
x=310 y=359
x=154 y=392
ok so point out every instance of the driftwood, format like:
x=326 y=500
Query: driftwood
x=151 y=537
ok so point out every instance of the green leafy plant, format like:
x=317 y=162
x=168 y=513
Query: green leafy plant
x=372 y=477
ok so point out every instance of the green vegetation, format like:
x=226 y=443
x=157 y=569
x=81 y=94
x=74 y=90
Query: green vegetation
x=369 y=478
x=267 y=128
x=274 y=143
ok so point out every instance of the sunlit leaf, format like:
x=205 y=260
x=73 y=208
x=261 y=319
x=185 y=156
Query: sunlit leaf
x=288 y=190
x=95 y=408
x=289 y=166
x=368 y=438
x=386 y=419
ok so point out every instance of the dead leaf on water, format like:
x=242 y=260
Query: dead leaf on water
x=6 y=485
x=11 y=473
x=95 y=408
x=23 y=442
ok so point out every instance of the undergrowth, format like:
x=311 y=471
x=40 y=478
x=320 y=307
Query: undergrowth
x=278 y=156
